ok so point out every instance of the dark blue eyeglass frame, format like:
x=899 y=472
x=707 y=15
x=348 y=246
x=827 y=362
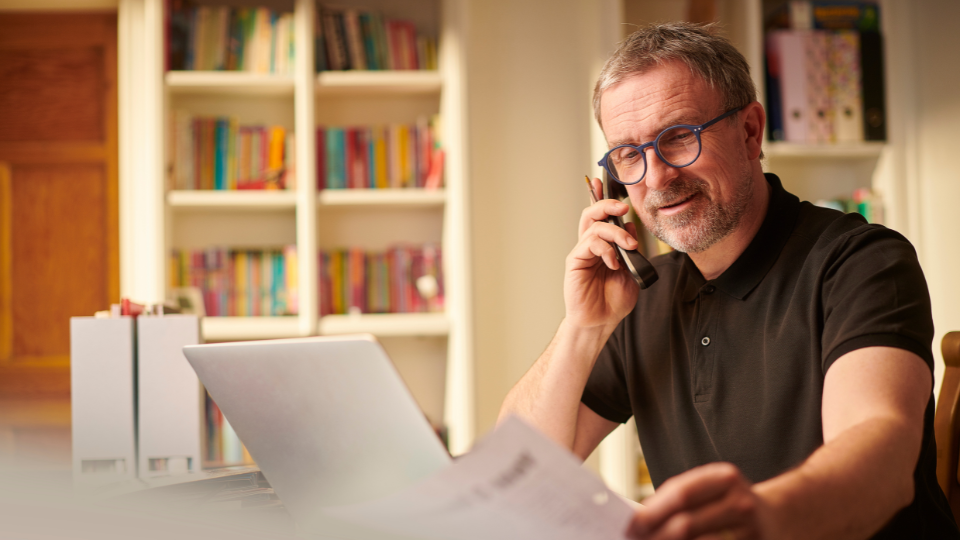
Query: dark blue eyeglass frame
x=612 y=171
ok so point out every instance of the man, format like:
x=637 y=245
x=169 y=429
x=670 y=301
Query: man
x=780 y=370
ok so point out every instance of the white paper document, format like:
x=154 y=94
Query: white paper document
x=515 y=484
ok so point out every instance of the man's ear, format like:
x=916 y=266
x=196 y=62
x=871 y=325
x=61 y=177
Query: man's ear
x=754 y=120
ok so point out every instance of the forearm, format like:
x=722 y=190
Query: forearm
x=835 y=493
x=548 y=395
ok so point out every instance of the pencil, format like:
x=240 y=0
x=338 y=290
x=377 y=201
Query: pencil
x=593 y=197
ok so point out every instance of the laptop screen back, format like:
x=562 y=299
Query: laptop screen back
x=328 y=420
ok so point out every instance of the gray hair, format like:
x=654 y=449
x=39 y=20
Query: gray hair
x=708 y=55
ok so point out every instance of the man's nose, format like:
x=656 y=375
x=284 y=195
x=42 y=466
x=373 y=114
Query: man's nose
x=659 y=174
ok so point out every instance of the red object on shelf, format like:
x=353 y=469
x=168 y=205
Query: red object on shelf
x=130 y=308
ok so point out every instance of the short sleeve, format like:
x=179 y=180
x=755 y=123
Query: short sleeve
x=606 y=390
x=874 y=294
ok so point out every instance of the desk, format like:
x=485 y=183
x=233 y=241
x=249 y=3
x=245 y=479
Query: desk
x=237 y=499
x=228 y=505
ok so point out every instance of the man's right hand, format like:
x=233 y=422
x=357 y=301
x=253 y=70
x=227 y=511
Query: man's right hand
x=597 y=291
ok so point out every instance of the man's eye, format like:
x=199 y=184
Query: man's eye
x=676 y=137
x=628 y=155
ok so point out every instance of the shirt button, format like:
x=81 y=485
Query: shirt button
x=709 y=289
x=705 y=341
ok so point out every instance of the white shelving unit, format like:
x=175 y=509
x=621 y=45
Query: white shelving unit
x=399 y=198
x=379 y=82
x=228 y=82
x=810 y=171
x=236 y=200
x=427 y=347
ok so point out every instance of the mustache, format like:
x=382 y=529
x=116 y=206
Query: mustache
x=678 y=190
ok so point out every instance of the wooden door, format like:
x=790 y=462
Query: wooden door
x=58 y=190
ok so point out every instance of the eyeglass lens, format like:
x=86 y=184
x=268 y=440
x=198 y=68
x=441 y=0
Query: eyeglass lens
x=678 y=147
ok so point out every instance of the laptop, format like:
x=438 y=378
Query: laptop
x=328 y=420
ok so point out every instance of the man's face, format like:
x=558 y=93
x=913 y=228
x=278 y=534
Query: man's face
x=694 y=207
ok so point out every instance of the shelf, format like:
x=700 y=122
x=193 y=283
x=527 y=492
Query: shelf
x=232 y=199
x=387 y=324
x=244 y=328
x=229 y=82
x=344 y=83
x=405 y=197
x=862 y=150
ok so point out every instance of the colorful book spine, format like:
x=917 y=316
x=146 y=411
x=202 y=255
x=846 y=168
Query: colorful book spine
x=393 y=156
x=819 y=105
x=291 y=279
x=364 y=40
x=230 y=38
x=845 y=86
x=223 y=446
x=836 y=47
x=402 y=279
x=239 y=282
x=220 y=153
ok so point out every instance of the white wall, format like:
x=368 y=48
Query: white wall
x=937 y=90
x=532 y=65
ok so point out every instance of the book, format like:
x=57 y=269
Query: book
x=238 y=282
x=359 y=39
x=220 y=153
x=846 y=15
x=229 y=38
x=861 y=15
x=874 y=96
x=845 y=87
x=401 y=279
x=789 y=50
x=819 y=104
x=289 y=161
x=319 y=43
x=854 y=78
x=321 y=152
x=335 y=159
x=291 y=279
x=394 y=156
x=335 y=42
x=355 y=43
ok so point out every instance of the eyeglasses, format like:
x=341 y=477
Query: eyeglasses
x=677 y=146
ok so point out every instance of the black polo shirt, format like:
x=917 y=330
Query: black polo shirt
x=732 y=369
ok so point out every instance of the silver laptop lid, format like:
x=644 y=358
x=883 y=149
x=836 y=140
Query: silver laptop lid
x=328 y=420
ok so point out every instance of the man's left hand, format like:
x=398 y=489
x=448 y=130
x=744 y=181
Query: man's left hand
x=711 y=502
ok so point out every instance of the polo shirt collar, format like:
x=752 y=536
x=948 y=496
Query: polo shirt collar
x=754 y=263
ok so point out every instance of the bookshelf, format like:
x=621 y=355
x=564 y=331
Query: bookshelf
x=228 y=82
x=810 y=171
x=433 y=351
x=379 y=82
x=212 y=200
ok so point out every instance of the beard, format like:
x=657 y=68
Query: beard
x=705 y=223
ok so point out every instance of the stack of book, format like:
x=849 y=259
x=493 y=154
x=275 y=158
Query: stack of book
x=393 y=156
x=218 y=153
x=825 y=72
x=239 y=282
x=403 y=279
x=250 y=39
x=356 y=39
x=223 y=444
